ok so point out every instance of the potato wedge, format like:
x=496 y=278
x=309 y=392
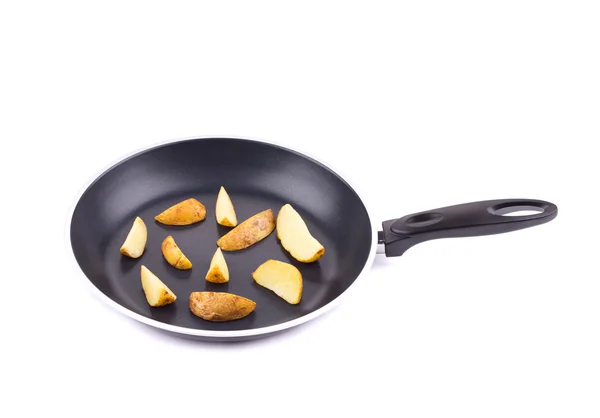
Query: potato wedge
x=248 y=232
x=295 y=236
x=220 y=306
x=224 y=211
x=157 y=293
x=174 y=255
x=282 y=278
x=218 y=272
x=186 y=212
x=135 y=243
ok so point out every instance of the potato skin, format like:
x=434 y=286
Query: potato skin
x=218 y=271
x=164 y=299
x=186 y=212
x=220 y=306
x=216 y=276
x=249 y=232
x=174 y=255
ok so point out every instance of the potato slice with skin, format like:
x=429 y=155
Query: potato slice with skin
x=224 y=211
x=174 y=255
x=157 y=293
x=220 y=306
x=249 y=232
x=282 y=278
x=218 y=272
x=295 y=236
x=135 y=243
x=186 y=212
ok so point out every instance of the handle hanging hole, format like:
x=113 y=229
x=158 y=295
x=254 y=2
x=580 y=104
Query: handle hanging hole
x=516 y=210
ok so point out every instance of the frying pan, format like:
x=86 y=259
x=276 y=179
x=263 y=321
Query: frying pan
x=257 y=176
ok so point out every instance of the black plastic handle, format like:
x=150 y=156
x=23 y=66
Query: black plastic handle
x=466 y=220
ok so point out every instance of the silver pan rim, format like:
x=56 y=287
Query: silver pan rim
x=192 y=332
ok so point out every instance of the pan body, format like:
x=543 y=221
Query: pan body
x=257 y=176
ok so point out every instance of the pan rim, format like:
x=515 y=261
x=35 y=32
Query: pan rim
x=234 y=334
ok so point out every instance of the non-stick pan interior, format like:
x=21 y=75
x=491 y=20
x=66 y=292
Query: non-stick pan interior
x=257 y=176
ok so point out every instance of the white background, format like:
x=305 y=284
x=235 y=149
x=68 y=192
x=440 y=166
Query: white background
x=424 y=104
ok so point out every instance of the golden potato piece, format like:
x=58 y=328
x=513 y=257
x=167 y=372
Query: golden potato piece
x=295 y=236
x=186 y=212
x=224 y=211
x=135 y=243
x=218 y=272
x=248 y=232
x=282 y=278
x=174 y=255
x=157 y=293
x=220 y=306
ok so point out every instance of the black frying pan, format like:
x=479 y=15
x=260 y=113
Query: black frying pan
x=257 y=176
